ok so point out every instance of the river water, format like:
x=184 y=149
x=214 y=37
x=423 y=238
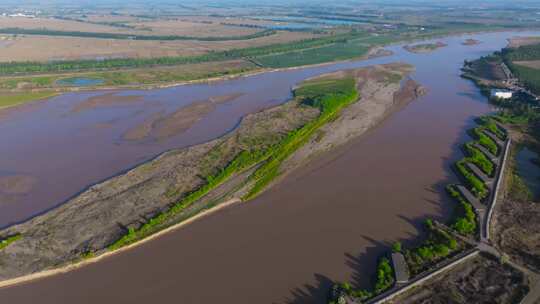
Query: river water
x=326 y=221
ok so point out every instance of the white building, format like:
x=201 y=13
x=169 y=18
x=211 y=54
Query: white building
x=502 y=94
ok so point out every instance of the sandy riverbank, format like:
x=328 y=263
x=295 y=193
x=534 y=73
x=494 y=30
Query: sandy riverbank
x=100 y=215
x=74 y=266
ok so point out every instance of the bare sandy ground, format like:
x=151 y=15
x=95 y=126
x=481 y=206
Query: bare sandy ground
x=161 y=126
x=521 y=41
x=535 y=64
x=24 y=48
x=15 y=184
x=52 y=272
x=471 y=42
x=101 y=214
x=480 y=280
x=181 y=27
x=105 y=100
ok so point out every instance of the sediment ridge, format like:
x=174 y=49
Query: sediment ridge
x=87 y=226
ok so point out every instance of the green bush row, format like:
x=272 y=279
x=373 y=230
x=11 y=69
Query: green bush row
x=344 y=91
x=478 y=158
x=9 y=240
x=477 y=187
x=465 y=222
x=102 y=35
x=485 y=141
x=242 y=161
x=330 y=97
x=384 y=280
x=489 y=123
x=11 y=68
x=438 y=245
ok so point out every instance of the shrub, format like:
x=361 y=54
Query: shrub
x=396 y=247
x=477 y=187
x=429 y=224
x=465 y=223
x=9 y=240
x=330 y=96
x=479 y=159
x=485 y=141
x=385 y=276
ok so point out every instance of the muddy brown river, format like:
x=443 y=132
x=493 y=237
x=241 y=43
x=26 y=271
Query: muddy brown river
x=326 y=221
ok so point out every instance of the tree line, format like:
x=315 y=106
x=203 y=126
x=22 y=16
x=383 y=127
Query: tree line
x=47 y=32
x=13 y=68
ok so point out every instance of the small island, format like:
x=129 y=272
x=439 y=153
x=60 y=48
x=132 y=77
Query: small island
x=184 y=184
x=424 y=47
x=470 y=42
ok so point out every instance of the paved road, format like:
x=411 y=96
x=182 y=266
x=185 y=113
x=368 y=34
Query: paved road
x=533 y=297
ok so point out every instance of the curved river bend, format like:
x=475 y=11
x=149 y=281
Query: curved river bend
x=326 y=221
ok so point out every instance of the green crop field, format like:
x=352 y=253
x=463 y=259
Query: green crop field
x=10 y=100
x=333 y=52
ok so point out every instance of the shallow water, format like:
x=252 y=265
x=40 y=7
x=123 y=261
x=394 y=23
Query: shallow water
x=326 y=221
x=529 y=171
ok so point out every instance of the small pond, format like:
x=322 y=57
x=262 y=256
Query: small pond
x=528 y=170
x=79 y=81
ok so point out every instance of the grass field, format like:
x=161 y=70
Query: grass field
x=155 y=75
x=10 y=100
x=356 y=47
x=334 y=52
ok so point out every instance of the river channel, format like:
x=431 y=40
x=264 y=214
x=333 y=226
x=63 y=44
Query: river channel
x=326 y=221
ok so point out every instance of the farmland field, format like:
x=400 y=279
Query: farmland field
x=339 y=51
x=30 y=48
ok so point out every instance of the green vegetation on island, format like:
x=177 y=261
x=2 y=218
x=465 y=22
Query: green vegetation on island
x=8 y=240
x=329 y=96
x=13 y=99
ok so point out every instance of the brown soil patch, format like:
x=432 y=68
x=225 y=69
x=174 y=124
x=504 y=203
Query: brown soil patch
x=160 y=126
x=521 y=41
x=181 y=27
x=105 y=100
x=535 y=64
x=471 y=42
x=487 y=70
x=517 y=224
x=16 y=184
x=519 y=232
x=57 y=24
x=184 y=27
x=30 y=48
x=480 y=280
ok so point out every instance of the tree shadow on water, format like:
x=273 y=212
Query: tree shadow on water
x=363 y=267
x=317 y=293
x=365 y=263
